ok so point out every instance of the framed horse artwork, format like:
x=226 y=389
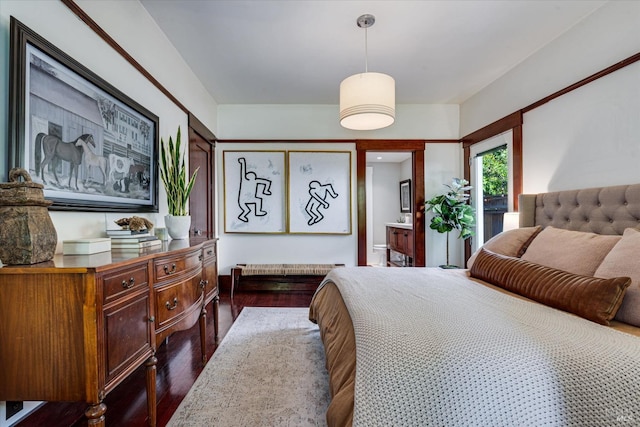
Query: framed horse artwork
x=90 y=145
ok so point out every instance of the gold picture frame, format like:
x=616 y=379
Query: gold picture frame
x=254 y=191
x=319 y=192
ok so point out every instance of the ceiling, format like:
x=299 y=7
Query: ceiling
x=298 y=52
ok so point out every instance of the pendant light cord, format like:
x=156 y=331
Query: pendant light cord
x=365 y=21
x=366 y=52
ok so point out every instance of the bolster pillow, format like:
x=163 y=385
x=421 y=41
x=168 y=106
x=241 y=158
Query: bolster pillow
x=593 y=298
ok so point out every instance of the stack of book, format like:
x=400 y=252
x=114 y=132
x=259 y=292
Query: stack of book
x=85 y=246
x=127 y=240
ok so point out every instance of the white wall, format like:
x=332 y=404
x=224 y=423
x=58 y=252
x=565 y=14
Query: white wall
x=405 y=170
x=386 y=198
x=133 y=28
x=128 y=23
x=442 y=163
x=290 y=122
x=589 y=137
x=322 y=122
x=607 y=36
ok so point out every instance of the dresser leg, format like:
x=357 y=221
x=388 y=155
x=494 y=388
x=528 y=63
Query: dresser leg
x=150 y=374
x=216 y=306
x=203 y=334
x=95 y=415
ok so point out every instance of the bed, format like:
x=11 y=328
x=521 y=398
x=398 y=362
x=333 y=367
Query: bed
x=543 y=328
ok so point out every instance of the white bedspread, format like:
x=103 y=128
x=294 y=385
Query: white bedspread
x=437 y=349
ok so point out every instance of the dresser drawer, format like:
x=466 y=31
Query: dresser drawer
x=173 y=300
x=169 y=267
x=121 y=282
x=209 y=254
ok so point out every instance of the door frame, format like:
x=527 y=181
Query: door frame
x=511 y=122
x=477 y=151
x=196 y=127
x=416 y=147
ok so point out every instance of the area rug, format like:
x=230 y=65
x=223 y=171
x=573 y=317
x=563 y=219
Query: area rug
x=268 y=371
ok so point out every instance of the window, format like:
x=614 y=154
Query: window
x=492 y=181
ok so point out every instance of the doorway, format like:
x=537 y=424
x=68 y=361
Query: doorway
x=492 y=186
x=416 y=151
x=385 y=171
x=202 y=200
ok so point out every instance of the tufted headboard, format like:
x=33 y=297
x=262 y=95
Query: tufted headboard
x=605 y=210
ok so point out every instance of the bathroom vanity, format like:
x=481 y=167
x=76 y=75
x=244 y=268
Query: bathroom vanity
x=400 y=251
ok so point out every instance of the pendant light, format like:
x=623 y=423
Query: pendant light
x=367 y=100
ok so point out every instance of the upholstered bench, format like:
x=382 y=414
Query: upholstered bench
x=278 y=276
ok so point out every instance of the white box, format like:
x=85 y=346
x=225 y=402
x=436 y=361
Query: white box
x=86 y=246
x=27 y=408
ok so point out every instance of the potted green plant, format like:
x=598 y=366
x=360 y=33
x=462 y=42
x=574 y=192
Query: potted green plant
x=451 y=211
x=173 y=173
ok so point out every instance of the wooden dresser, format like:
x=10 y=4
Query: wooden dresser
x=400 y=242
x=73 y=328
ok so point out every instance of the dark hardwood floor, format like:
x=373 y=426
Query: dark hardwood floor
x=178 y=366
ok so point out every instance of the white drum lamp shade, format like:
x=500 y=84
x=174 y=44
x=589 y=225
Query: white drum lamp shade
x=367 y=101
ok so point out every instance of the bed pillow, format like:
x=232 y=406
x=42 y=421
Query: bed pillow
x=510 y=243
x=624 y=260
x=573 y=251
x=593 y=298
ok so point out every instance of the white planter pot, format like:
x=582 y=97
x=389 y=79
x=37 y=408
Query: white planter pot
x=178 y=226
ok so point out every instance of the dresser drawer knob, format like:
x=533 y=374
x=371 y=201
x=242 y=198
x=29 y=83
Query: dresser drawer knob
x=130 y=284
x=172 y=307
x=152 y=319
x=210 y=251
x=171 y=270
x=203 y=283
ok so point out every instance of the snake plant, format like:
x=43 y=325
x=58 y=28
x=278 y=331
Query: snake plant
x=174 y=176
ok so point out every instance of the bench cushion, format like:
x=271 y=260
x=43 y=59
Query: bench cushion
x=286 y=269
